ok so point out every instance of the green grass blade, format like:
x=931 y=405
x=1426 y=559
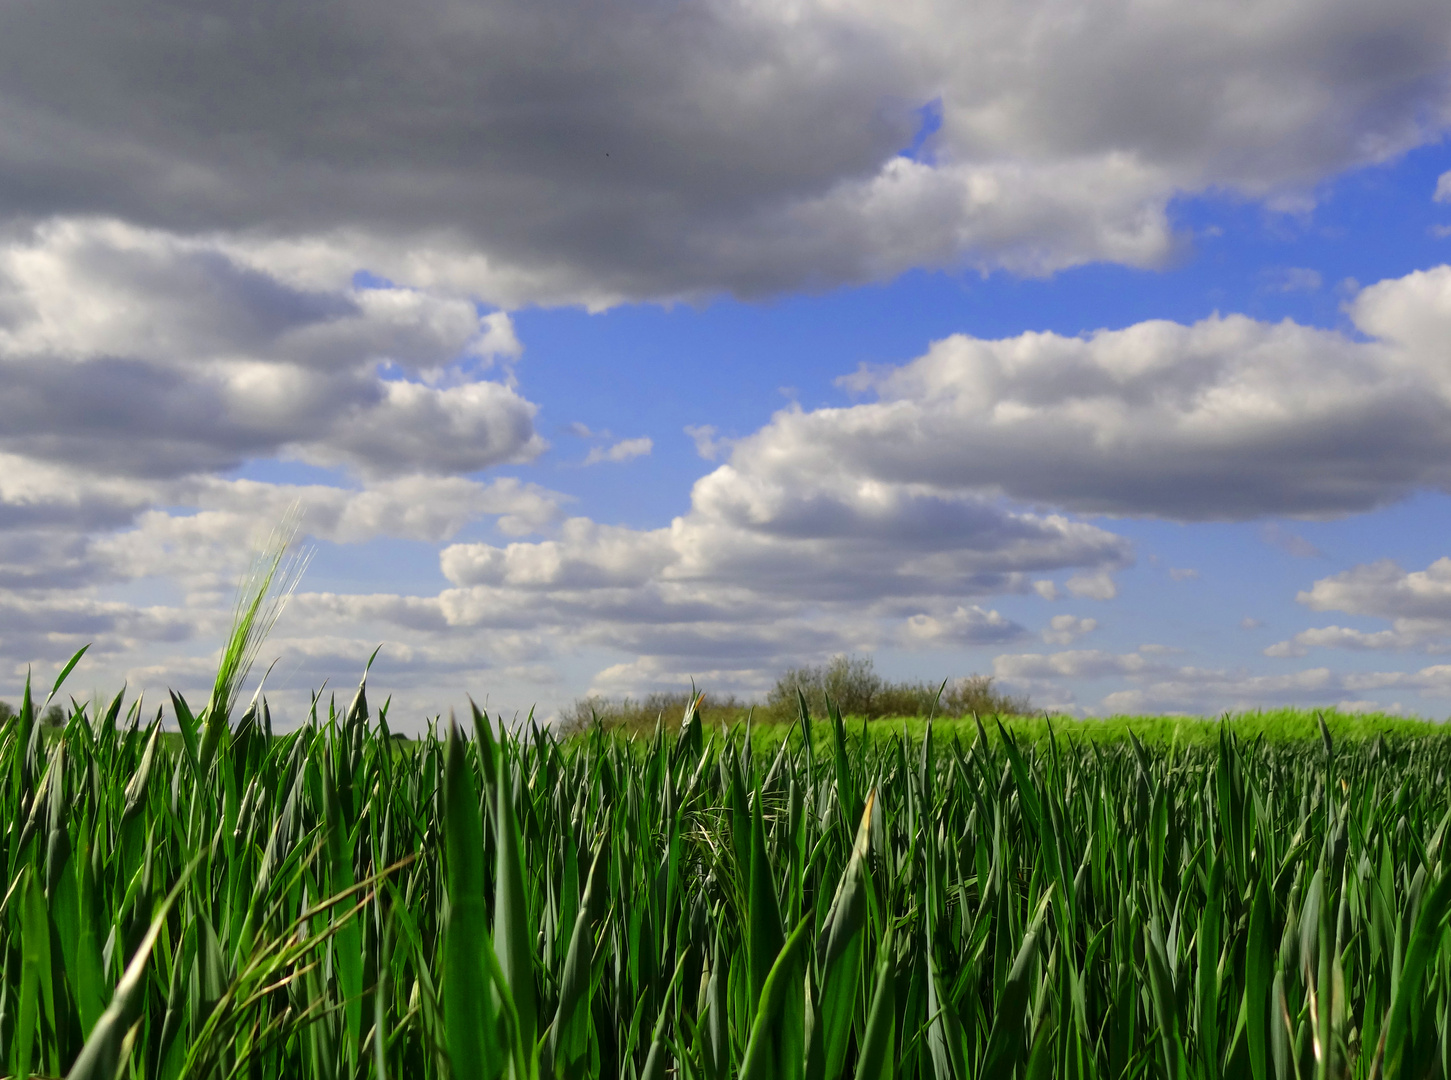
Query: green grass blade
x=1424 y=943
x=839 y=960
x=349 y=935
x=764 y=937
x=1259 y=962
x=876 y=1060
x=1006 y=1047
x=468 y=1013
x=64 y=672
x=101 y=1056
x=514 y=932
x=776 y=1049
x=569 y=1031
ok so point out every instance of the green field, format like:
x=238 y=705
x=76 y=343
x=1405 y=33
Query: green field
x=1283 y=726
x=1261 y=898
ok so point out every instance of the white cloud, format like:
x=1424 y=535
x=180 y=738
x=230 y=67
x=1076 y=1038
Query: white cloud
x=1443 y=188
x=1417 y=604
x=1227 y=418
x=1097 y=586
x=498 y=340
x=1065 y=629
x=1158 y=687
x=1384 y=590
x=1078 y=664
x=771 y=565
x=773 y=558
x=862 y=526
x=129 y=352
x=707 y=445
x=970 y=625
x=1046 y=589
x=624 y=450
x=1341 y=637
x=1183 y=573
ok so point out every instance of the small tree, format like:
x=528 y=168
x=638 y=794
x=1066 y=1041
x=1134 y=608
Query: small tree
x=55 y=716
x=854 y=686
x=851 y=682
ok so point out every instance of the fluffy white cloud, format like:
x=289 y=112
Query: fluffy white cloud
x=1065 y=629
x=1098 y=586
x=129 y=352
x=1156 y=686
x=524 y=154
x=1416 y=603
x=887 y=522
x=1443 y=188
x=969 y=625
x=1383 y=589
x=771 y=564
x=1227 y=418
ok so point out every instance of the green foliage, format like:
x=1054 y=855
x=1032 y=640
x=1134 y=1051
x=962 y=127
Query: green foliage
x=851 y=683
x=853 y=686
x=53 y=717
x=1031 y=899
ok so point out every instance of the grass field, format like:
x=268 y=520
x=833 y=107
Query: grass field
x=1260 y=898
x=1163 y=732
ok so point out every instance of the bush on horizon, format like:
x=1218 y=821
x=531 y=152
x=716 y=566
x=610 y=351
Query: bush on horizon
x=851 y=683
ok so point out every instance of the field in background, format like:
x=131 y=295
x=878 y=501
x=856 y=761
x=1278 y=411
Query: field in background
x=1274 y=725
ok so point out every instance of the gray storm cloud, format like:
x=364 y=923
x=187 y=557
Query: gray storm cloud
x=637 y=149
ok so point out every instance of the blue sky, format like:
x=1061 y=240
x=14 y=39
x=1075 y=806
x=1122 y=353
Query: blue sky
x=1110 y=360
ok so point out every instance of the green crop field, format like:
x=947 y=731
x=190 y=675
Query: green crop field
x=804 y=902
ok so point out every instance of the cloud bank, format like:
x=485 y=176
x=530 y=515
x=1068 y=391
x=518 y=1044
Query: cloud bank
x=551 y=153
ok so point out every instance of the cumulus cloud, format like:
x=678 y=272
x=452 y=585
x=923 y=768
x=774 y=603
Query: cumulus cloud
x=196 y=360
x=771 y=563
x=1443 y=188
x=522 y=153
x=1045 y=588
x=1155 y=686
x=1226 y=418
x=1416 y=603
x=707 y=444
x=1065 y=629
x=131 y=353
x=889 y=521
x=1097 y=586
x=1383 y=589
x=964 y=626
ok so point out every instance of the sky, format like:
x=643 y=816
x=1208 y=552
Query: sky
x=1103 y=348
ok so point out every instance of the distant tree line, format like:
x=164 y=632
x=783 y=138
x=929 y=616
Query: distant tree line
x=55 y=716
x=850 y=682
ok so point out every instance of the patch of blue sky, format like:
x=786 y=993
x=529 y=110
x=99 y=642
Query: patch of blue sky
x=929 y=123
